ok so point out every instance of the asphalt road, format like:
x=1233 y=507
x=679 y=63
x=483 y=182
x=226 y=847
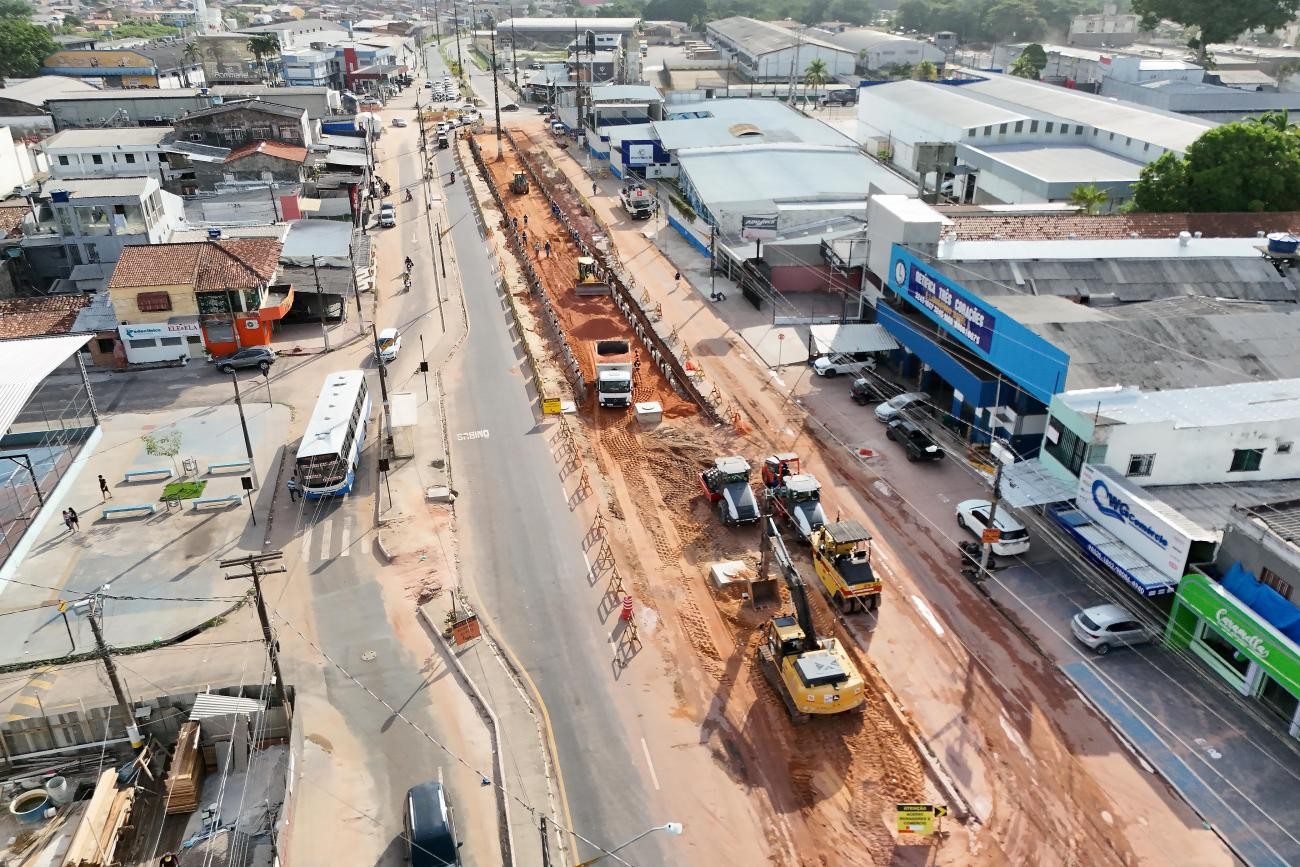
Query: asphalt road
x=521 y=550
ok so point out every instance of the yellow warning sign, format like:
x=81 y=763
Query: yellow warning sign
x=551 y=406
x=63 y=605
x=990 y=536
x=919 y=818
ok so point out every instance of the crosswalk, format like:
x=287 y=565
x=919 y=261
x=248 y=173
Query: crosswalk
x=330 y=538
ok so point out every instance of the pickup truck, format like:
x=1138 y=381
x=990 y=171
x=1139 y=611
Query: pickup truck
x=914 y=440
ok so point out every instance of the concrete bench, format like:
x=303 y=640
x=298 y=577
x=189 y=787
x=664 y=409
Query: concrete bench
x=132 y=475
x=117 y=511
x=229 y=465
x=223 y=501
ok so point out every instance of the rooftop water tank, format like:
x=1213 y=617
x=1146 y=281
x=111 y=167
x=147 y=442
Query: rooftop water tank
x=1283 y=242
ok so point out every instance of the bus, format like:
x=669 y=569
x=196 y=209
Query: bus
x=331 y=445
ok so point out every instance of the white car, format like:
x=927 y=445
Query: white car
x=399 y=121
x=1102 y=627
x=892 y=408
x=390 y=343
x=973 y=515
x=388 y=215
x=834 y=365
x=470 y=117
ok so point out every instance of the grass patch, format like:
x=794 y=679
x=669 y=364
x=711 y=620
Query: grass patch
x=184 y=490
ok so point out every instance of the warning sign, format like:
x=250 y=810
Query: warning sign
x=552 y=406
x=991 y=536
x=919 y=818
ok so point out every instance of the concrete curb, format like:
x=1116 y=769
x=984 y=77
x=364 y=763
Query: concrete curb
x=489 y=715
x=383 y=549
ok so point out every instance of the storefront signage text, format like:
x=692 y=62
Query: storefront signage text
x=139 y=332
x=963 y=316
x=1112 y=506
x=1240 y=635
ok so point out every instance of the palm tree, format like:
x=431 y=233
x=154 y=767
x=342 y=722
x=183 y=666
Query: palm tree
x=1278 y=120
x=1089 y=198
x=816 y=75
x=191 y=53
x=926 y=71
x=262 y=46
x=1024 y=68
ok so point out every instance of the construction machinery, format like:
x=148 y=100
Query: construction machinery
x=842 y=557
x=798 y=502
x=777 y=467
x=638 y=201
x=519 y=184
x=615 y=370
x=589 y=282
x=814 y=676
x=726 y=484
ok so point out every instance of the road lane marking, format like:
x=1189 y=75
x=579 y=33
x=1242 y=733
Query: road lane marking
x=307 y=533
x=471 y=435
x=347 y=537
x=326 y=531
x=920 y=605
x=654 y=778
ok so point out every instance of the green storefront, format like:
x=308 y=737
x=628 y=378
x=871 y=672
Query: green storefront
x=1239 y=645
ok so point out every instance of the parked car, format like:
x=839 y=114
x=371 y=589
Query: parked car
x=914 y=440
x=866 y=391
x=973 y=516
x=1102 y=627
x=890 y=409
x=510 y=106
x=834 y=365
x=428 y=84
x=254 y=356
x=390 y=343
x=430 y=827
x=544 y=109
x=399 y=121
x=388 y=215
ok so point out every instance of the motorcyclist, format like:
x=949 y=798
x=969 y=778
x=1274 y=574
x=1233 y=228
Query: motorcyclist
x=452 y=176
x=409 y=264
x=408 y=196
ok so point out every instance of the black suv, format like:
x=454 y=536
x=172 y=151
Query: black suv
x=915 y=442
x=867 y=392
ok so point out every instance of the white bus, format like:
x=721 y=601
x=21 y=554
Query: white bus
x=331 y=445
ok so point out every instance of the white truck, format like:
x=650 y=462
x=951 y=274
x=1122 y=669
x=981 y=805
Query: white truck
x=615 y=367
x=638 y=201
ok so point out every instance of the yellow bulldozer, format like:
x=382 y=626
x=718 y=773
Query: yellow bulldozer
x=589 y=282
x=814 y=676
x=519 y=184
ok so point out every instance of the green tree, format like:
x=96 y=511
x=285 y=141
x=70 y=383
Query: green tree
x=264 y=45
x=1215 y=21
x=23 y=48
x=926 y=71
x=192 y=54
x=1019 y=19
x=167 y=445
x=850 y=11
x=816 y=75
x=1278 y=120
x=914 y=15
x=898 y=70
x=1234 y=167
x=1023 y=67
x=1089 y=198
x=1162 y=186
x=15 y=9
x=676 y=10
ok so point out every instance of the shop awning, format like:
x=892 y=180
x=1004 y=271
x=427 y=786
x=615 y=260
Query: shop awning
x=1110 y=553
x=1029 y=483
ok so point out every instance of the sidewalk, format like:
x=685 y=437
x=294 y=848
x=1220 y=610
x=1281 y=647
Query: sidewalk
x=164 y=563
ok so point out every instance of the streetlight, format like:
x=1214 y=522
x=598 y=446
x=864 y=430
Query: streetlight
x=674 y=828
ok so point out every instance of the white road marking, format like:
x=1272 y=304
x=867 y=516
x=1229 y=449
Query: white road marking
x=654 y=778
x=920 y=606
x=306 y=541
x=326 y=532
x=471 y=435
x=347 y=537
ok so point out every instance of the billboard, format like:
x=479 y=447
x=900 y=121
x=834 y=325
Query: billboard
x=757 y=227
x=639 y=154
x=1120 y=509
x=961 y=314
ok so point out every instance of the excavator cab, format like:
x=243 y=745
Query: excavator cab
x=519 y=184
x=777 y=467
x=589 y=282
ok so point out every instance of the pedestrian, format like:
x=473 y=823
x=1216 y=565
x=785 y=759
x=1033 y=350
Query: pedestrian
x=67 y=521
x=76 y=521
x=593 y=188
x=537 y=250
x=525 y=237
x=294 y=493
x=525 y=221
x=514 y=221
x=104 y=493
x=548 y=249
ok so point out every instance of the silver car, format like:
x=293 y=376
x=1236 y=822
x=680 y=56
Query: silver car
x=1102 y=627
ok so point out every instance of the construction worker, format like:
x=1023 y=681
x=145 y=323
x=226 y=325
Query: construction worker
x=548 y=249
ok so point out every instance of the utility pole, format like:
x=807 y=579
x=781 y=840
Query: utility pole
x=320 y=305
x=1003 y=455
x=94 y=612
x=442 y=260
x=496 y=99
x=256 y=571
x=356 y=292
x=455 y=27
x=383 y=385
x=514 y=58
x=243 y=424
x=713 y=262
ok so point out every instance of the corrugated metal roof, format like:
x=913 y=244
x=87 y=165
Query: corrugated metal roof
x=763 y=37
x=208 y=705
x=24 y=364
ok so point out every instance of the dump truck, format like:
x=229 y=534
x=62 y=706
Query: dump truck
x=842 y=557
x=615 y=367
x=797 y=500
x=589 y=282
x=519 y=184
x=726 y=484
x=638 y=201
x=813 y=676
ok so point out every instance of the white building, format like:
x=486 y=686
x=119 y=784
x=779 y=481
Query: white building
x=1107 y=28
x=766 y=52
x=18 y=163
x=876 y=49
x=96 y=153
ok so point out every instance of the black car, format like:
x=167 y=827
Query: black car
x=544 y=109
x=866 y=392
x=254 y=356
x=915 y=442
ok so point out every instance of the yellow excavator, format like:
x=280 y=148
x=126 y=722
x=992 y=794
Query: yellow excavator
x=589 y=282
x=814 y=676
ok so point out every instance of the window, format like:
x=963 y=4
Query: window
x=1047 y=128
x=106 y=345
x=169 y=341
x=153 y=302
x=1063 y=445
x=1078 y=130
x=1272 y=579
x=1223 y=649
x=988 y=130
x=1284 y=448
x=1033 y=126
x=1002 y=129
x=193 y=338
x=1020 y=125
x=1140 y=465
x=63 y=159
x=148 y=343
x=130 y=158
x=1246 y=460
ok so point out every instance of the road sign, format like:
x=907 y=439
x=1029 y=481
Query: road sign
x=991 y=536
x=551 y=406
x=919 y=818
x=63 y=605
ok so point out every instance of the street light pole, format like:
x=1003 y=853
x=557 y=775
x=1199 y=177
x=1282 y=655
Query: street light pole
x=243 y=423
x=94 y=612
x=674 y=828
x=496 y=99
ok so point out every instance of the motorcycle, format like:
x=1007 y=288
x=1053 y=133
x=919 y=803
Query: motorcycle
x=408 y=197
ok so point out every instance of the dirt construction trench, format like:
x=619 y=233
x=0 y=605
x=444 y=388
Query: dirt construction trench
x=827 y=788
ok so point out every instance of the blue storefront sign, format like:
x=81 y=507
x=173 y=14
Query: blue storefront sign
x=962 y=315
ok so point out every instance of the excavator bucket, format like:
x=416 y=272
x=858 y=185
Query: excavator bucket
x=589 y=282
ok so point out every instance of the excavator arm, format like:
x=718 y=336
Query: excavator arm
x=798 y=589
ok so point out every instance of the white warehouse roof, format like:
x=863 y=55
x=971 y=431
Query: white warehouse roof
x=944 y=104
x=568 y=25
x=762 y=37
x=1239 y=403
x=785 y=172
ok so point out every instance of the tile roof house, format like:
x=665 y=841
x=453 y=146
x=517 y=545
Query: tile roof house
x=222 y=288
x=34 y=317
x=1038 y=227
